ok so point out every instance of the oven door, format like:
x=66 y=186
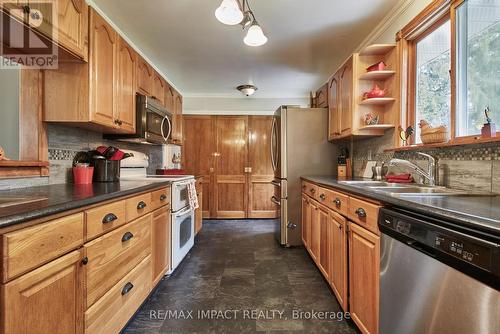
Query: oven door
x=180 y=196
x=182 y=235
x=158 y=127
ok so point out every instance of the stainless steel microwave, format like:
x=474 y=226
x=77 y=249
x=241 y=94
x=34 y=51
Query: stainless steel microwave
x=153 y=123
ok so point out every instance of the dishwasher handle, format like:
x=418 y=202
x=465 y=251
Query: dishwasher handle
x=422 y=248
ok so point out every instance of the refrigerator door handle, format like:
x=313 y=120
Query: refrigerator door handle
x=276 y=183
x=273 y=141
x=275 y=201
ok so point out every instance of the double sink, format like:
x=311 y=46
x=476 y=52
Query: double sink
x=408 y=190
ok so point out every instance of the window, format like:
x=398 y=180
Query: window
x=452 y=56
x=432 y=73
x=478 y=64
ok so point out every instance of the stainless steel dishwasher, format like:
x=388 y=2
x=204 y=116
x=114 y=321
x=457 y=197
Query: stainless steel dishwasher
x=437 y=277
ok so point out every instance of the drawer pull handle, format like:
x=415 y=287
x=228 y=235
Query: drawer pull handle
x=85 y=260
x=110 y=217
x=141 y=205
x=126 y=289
x=127 y=236
x=163 y=197
x=360 y=212
x=304 y=187
x=322 y=197
x=337 y=202
x=313 y=190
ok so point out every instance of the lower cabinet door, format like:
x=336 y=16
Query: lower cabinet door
x=325 y=241
x=161 y=236
x=46 y=300
x=306 y=222
x=338 y=258
x=364 y=265
x=315 y=231
x=112 y=312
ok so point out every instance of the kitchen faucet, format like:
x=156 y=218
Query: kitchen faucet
x=430 y=174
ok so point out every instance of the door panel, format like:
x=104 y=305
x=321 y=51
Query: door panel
x=261 y=173
x=338 y=258
x=333 y=108
x=198 y=150
x=125 y=96
x=346 y=90
x=231 y=160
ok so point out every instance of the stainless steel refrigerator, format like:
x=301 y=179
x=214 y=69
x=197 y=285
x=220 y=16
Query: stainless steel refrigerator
x=299 y=146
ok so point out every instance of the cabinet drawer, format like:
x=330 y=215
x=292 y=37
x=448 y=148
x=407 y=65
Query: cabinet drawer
x=31 y=247
x=364 y=213
x=113 y=255
x=160 y=198
x=138 y=206
x=310 y=189
x=110 y=313
x=104 y=218
x=337 y=201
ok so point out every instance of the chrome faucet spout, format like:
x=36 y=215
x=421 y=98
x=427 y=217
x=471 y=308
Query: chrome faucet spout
x=429 y=175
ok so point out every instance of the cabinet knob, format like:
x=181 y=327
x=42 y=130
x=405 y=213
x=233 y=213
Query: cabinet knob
x=312 y=190
x=85 y=260
x=110 y=217
x=141 y=205
x=126 y=289
x=337 y=202
x=127 y=236
x=360 y=212
x=163 y=197
x=322 y=197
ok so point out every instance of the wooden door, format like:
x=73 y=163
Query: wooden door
x=102 y=70
x=333 y=107
x=346 y=96
x=325 y=239
x=177 y=119
x=231 y=193
x=159 y=88
x=338 y=258
x=306 y=222
x=46 y=300
x=198 y=156
x=169 y=98
x=160 y=248
x=364 y=265
x=125 y=87
x=260 y=172
x=315 y=231
x=144 y=77
x=322 y=97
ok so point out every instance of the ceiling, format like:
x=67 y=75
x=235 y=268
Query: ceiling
x=202 y=57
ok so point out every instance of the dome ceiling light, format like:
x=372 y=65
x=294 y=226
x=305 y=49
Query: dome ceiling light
x=248 y=90
x=233 y=12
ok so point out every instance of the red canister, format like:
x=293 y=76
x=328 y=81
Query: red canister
x=83 y=175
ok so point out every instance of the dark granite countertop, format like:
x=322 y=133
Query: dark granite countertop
x=477 y=212
x=63 y=197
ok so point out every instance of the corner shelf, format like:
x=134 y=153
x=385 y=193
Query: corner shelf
x=377 y=75
x=377 y=127
x=377 y=101
x=377 y=49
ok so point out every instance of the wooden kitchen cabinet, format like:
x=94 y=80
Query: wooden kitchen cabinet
x=177 y=119
x=322 y=97
x=161 y=243
x=96 y=95
x=169 y=98
x=46 y=300
x=159 y=86
x=346 y=97
x=306 y=222
x=334 y=107
x=315 y=231
x=325 y=241
x=364 y=266
x=125 y=88
x=144 y=77
x=338 y=258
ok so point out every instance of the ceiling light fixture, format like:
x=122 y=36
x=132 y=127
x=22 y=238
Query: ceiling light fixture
x=248 y=90
x=234 y=12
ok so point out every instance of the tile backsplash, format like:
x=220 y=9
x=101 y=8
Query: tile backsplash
x=472 y=167
x=65 y=142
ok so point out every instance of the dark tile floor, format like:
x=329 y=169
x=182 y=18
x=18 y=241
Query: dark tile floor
x=238 y=272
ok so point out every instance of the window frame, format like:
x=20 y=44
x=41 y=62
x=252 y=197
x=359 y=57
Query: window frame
x=427 y=21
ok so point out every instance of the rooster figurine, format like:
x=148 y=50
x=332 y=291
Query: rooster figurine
x=405 y=134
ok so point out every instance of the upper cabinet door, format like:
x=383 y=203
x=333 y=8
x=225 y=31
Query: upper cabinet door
x=177 y=119
x=169 y=98
x=159 y=88
x=71 y=24
x=346 y=93
x=322 y=97
x=102 y=70
x=144 y=77
x=125 y=88
x=333 y=107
